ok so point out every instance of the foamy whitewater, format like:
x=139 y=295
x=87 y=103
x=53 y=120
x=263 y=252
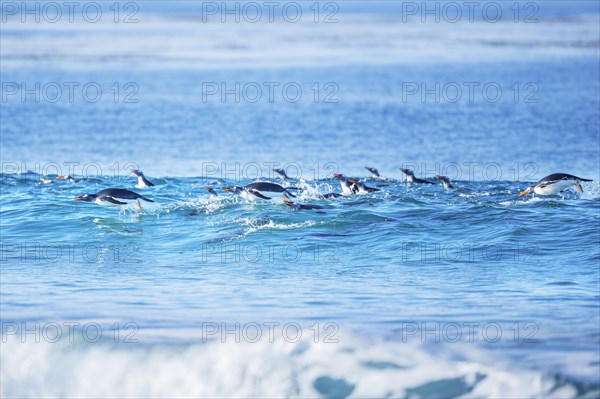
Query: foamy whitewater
x=272 y=368
x=411 y=291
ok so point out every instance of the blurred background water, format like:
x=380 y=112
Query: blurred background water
x=379 y=87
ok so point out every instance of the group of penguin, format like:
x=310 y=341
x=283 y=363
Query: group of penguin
x=549 y=185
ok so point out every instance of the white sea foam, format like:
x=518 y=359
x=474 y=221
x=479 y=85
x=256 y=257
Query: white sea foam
x=254 y=225
x=353 y=367
x=591 y=190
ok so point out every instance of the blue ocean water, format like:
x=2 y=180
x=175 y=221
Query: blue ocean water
x=411 y=291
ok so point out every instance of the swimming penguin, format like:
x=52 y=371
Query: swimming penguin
x=410 y=177
x=114 y=197
x=211 y=191
x=142 y=181
x=78 y=179
x=554 y=184
x=302 y=206
x=446 y=182
x=374 y=172
x=69 y=178
x=347 y=187
x=271 y=188
x=246 y=193
x=281 y=173
x=361 y=188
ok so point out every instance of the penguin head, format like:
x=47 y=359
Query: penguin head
x=234 y=189
x=210 y=190
x=86 y=198
x=137 y=172
x=443 y=178
x=407 y=172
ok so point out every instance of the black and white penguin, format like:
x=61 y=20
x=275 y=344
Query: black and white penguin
x=142 y=182
x=114 y=197
x=410 y=177
x=554 y=184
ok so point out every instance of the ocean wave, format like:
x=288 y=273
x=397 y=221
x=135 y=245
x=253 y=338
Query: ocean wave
x=352 y=367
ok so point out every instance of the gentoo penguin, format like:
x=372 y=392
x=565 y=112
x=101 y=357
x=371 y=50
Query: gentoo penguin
x=374 y=172
x=554 y=184
x=347 y=187
x=281 y=173
x=271 y=188
x=362 y=188
x=142 y=181
x=69 y=178
x=114 y=197
x=77 y=179
x=302 y=206
x=446 y=182
x=410 y=177
x=211 y=191
x=246 y=193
